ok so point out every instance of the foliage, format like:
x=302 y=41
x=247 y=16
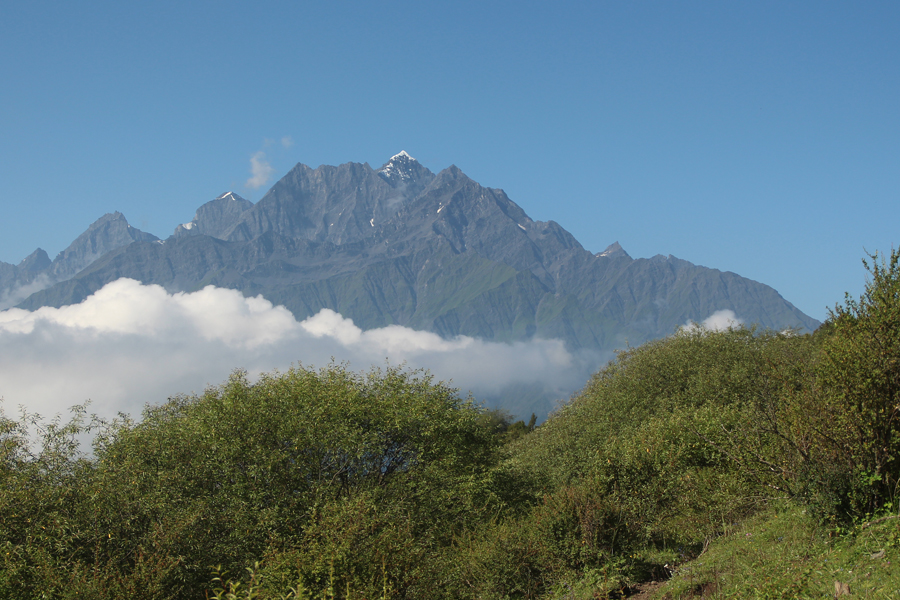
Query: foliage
x=307 y=466
x=639 y=431
x=502 y=424
x=825 y=428
x=859 y=380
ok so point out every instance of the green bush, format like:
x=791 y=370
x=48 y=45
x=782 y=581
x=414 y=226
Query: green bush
x=858 y=378
x=647 y=431
x=319 y=467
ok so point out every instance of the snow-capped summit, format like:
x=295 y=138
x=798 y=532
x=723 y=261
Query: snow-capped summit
x=227 y=196
x=403 y=169
x=398 y=166
x=402 y=155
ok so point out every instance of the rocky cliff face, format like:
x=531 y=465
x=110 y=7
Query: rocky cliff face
x=403 y=245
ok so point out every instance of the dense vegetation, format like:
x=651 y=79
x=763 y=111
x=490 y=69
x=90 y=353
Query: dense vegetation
x=389 y=485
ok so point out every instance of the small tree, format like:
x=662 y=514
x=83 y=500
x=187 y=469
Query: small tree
x=859 y=377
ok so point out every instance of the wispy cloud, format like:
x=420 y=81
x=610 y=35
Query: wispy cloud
x=721 y=320
x=260 y=170
x=130 y=344
x=16 y=294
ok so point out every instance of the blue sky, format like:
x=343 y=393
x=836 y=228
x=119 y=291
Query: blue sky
x=761 y=138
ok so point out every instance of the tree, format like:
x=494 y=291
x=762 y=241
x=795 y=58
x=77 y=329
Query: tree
x=859 y=378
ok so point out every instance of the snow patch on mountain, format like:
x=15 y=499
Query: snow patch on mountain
x=402 y=154
x=614 y=250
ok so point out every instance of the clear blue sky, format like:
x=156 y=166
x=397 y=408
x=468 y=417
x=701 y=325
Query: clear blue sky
x=759 y=137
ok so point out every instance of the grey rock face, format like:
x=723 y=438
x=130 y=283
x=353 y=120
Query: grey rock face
x=339 y=205
x=614 y=250
x=405 y=174
x=216 y=217
x=36 y=261
x=108 y=233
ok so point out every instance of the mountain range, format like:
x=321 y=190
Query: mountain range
x=403 y=245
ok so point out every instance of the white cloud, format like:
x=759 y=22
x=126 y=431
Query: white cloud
x=721 y=320
x=260 y=169
x=13 y=296
x=287 y=141
x=130 y=344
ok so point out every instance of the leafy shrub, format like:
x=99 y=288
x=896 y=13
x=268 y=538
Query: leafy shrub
x=327 y=466
x=858 y=378
x=646 y=432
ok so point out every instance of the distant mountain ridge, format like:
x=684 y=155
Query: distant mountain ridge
x=403 y=245
x=37 y=271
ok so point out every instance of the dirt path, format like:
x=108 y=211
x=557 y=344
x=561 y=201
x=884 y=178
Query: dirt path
x=645 y=590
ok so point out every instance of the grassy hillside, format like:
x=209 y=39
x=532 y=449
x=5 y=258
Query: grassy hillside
x=737 y=463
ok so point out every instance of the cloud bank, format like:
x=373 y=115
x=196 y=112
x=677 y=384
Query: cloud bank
x=131 y=344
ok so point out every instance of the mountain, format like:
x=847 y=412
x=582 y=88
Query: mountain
x=37 y=272
x=108 y=233
x=439 y=252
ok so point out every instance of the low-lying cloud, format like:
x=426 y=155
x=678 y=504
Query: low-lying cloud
x=721 y=320
x=131 y=344
x=17 y=293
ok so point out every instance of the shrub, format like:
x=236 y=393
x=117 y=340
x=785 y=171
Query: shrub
x=317 y=466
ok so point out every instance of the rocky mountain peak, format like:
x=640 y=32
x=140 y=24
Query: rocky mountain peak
x=614 y=250
x=403 y=169
x=36 y=261
x=404 y=246
x=216 y=217
x=109 y=232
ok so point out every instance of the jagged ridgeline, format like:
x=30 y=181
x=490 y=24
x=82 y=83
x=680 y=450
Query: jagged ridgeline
x=402 y=245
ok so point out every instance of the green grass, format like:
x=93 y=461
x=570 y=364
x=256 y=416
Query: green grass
x=784 y=553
